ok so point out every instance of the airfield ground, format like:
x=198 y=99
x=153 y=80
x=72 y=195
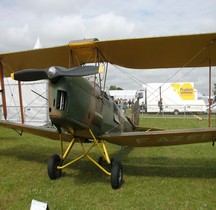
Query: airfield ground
x=178 y=177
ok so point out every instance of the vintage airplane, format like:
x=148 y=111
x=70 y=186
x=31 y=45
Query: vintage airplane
x=83 y=112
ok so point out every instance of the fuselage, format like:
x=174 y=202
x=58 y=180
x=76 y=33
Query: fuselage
x=78 y=104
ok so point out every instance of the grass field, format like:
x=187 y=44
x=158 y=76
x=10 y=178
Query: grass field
x=178 y=177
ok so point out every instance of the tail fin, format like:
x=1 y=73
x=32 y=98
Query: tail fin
x=135 y=113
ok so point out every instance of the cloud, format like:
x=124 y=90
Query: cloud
x=58 y=22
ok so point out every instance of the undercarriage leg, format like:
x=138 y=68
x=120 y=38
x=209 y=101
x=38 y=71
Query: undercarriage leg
x=55 y=163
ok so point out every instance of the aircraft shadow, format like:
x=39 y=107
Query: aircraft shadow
x=172 y=167
x=24 y=152
x=7 y=138
x=133 y=166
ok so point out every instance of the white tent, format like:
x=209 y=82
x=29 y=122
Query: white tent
x=38 y=44
x=34 y=97
x=35 y=103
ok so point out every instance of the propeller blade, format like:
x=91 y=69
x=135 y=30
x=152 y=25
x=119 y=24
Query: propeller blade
x=57 y=71
x=54 y=73
x=30 y=75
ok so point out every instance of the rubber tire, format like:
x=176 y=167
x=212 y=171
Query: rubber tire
x=116 y=175
x=52 y=164
x=112 y=160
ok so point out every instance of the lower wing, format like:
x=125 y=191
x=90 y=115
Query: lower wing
x=148 y=138
x=39 y=131
x=162 y=137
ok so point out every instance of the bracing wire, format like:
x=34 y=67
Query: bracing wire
x=139 y=82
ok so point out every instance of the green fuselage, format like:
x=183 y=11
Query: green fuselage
x=78 y=104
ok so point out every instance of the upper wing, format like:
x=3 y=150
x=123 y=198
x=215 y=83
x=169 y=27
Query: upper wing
x=144 y=53
x=162 y=138
x=161 y=52
x=39 y=58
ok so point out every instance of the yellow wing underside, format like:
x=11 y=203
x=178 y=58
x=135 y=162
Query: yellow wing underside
x=144 y=53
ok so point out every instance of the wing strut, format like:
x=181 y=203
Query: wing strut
x=209 y=104
x=3 y=91
x=21 y=101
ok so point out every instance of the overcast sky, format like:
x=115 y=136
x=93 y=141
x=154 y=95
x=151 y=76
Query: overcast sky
x=57 y=22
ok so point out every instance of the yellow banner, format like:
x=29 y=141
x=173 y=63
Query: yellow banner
x=185 y=91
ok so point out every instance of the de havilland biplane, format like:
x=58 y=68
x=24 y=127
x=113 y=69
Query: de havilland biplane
x=83 y=112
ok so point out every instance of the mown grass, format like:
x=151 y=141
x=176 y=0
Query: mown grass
x=177 y=122
x=179 y=177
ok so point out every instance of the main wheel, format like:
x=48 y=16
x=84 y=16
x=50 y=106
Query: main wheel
x=53 y=162
x=116 y=175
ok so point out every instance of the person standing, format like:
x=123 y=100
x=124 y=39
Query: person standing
x=160 y=106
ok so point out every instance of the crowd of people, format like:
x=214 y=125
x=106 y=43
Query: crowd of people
x=125 y=103
x=129 y=104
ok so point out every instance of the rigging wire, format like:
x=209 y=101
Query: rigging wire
x=17 y=113
x=12 y=98
x=137 y=81
x=153 y=93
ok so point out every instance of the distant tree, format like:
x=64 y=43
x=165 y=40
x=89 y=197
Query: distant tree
x=114 y=87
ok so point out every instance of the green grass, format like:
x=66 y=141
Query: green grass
x=180 y=122
x=179 y=177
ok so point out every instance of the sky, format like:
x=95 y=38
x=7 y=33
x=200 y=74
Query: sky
x=58 y=22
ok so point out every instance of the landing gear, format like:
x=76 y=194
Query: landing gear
x=117 y=170
x=116 y=175
x=116 y=178
x=101 y=161
x=53 y=162
x=114 y=169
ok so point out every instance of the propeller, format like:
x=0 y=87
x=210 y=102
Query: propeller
x=54 y=73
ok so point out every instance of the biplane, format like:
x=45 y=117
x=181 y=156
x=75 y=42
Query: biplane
x=81 y=110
